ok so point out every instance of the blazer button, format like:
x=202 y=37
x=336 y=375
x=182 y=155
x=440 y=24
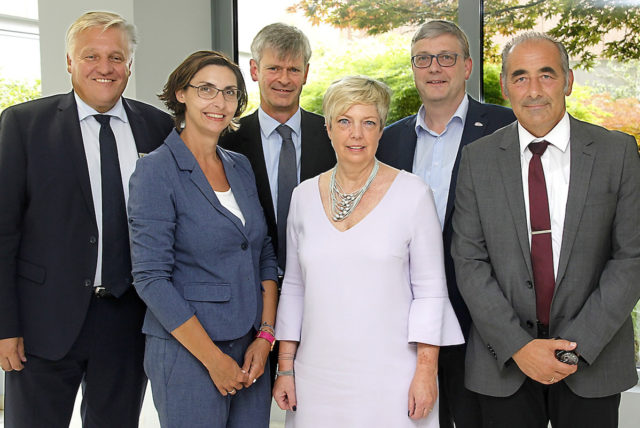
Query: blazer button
x=529 y=284
x=244 y=246
x=92 y=240
x=529 y=324
x=87 y=283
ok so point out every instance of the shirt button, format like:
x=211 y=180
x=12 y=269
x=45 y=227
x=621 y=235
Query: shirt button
x=92 y=240
x=244 y=246
x=88 y=283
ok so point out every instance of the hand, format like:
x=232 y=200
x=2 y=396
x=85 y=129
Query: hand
x=537 y=360
x=227 y=375
x=255 y=359
x=423 y=392
x=12 y=354
x=284 y=392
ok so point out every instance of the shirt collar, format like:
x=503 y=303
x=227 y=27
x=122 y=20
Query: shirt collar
x=85 y=110
x=268 y=124
x=558 y=136
x=460 y=113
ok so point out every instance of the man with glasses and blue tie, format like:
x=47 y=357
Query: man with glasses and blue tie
x=69 y=315
x=429 y=145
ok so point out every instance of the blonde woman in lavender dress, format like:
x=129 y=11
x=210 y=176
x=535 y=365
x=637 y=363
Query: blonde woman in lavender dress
x=364 y=305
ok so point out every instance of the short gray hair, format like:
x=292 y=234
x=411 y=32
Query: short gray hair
x=536 y=36
x=286 y=40
x=105 y=21
x=439 y=27
x=342 y=94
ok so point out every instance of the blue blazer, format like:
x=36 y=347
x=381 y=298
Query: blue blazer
x=398 y=147
x=190 y=255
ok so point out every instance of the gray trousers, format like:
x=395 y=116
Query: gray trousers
x=185 y=395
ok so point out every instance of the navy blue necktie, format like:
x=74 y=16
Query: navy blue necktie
x=116 y=255
x=287 y=180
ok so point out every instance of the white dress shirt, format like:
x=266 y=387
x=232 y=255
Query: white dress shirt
x=271 y=145
x=436 y=154
x=127 y=156
x=556 y=164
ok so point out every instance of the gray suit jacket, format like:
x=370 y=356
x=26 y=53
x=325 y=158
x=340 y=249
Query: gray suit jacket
x=597 y=276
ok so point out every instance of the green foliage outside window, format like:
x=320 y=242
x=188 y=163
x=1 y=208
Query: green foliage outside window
x=14 y=92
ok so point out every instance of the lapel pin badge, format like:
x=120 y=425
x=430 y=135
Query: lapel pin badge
x=141 y=155
x=478 y=124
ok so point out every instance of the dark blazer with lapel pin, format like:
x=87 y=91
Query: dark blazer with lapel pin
x=48 y=230
x=397 y=148
x=317 y=156
x=190 y=254
x=597 y=274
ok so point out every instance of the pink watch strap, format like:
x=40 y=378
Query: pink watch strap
x=266 y=336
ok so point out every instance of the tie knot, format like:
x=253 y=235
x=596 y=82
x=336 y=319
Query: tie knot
x=539 y=147
x=103 y=119
x=285 y=132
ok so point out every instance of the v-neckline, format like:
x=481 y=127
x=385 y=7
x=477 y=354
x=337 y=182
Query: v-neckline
x=373 y=210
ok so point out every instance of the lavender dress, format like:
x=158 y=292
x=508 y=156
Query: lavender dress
x=357 y=301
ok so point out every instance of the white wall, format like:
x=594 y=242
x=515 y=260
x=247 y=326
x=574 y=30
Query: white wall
x=167 y=30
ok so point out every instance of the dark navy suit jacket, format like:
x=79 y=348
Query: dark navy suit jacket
x=48 y=230
x=397 y=148
x=317 y=156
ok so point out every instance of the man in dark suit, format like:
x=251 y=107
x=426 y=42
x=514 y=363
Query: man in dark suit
x=547 y=253
x=68 y=313
x=280 y=64
x=429 y=145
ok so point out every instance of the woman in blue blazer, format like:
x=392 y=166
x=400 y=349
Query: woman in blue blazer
x=202 y=260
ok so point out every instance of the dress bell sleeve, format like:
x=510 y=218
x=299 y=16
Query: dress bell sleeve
x=432 y=319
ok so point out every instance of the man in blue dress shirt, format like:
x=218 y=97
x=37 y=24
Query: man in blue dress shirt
x=429 y=145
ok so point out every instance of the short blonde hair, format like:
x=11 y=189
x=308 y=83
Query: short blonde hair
x=342 y=94
x=104 y=20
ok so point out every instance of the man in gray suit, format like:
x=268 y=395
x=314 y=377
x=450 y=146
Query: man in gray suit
x=547 y=253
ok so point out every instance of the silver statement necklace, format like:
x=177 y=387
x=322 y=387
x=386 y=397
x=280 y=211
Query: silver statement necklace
x=343 y=204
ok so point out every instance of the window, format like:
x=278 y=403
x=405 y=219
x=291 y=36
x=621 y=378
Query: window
x=20 y=45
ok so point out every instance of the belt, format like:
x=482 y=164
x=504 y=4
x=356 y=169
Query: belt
x=543 y=331
x=102 y=293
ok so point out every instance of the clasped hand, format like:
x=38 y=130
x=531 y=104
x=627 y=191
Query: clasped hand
x=537 y=360
x=229 y=377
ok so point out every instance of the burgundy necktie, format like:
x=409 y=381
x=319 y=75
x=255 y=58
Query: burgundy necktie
x=541 y=249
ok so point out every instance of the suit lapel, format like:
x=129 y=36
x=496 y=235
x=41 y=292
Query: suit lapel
x=138 y=127
x=187 y=162
x=240 y=193
x=252 y=139
x=510 y=168
x=68 y=120
x=405 y=149
x=470 y=133
x=582 y=157
x=311 y=144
